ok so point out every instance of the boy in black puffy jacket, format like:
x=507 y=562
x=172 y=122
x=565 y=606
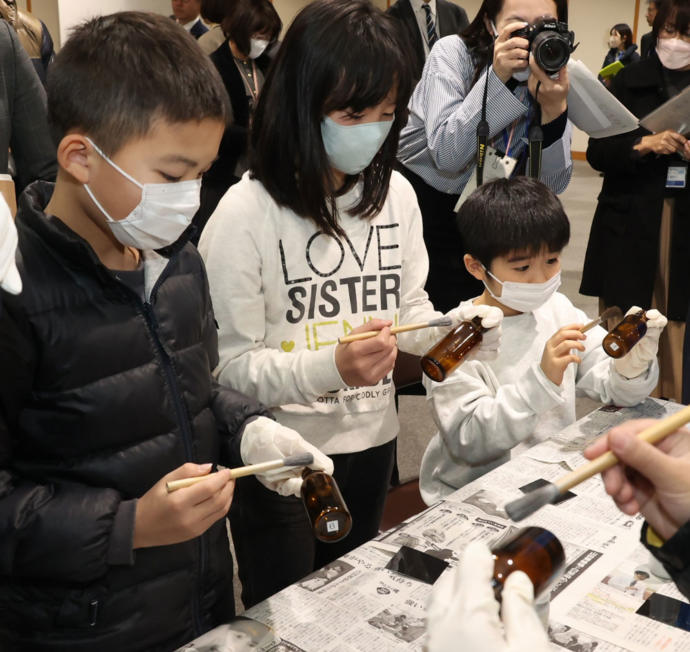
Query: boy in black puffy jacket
x=106 y=391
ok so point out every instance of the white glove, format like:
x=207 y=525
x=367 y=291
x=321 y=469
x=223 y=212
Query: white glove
x=9 y=276
x=637 y=361
x=491 y=320
x=463 y=609
x=264 y=440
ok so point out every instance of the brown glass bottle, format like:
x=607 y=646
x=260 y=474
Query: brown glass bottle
x=533 y=550
x=440 y=360
x=327 y=511
x=623 y=337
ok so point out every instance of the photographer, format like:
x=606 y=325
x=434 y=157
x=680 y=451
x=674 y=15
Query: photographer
x=439 y=143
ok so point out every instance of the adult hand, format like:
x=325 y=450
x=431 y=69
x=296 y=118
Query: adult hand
x=491 y=317
x=665 y=142
x=264 y=440
x=462 y=608
x=558 y=352
x=511 y=53
x=365 y=362
x=552 y=93
x=651 y=479
x=637 y=361
x=164 y=518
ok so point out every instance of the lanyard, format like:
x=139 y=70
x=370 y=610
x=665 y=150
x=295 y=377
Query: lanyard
x=246 y=76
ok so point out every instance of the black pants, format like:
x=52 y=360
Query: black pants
x=448 y=282
x=274 y=542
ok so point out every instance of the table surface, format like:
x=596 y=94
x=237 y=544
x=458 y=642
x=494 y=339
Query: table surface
x=355 y=603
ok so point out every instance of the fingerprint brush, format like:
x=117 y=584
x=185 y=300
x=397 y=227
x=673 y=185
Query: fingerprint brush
x=356 y=337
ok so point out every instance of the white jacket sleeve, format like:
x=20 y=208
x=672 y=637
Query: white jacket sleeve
x=230 y=247
x=597 y=376
x=479 y=419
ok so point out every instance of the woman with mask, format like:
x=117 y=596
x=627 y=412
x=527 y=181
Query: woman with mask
x=438 y=145
x=250 y=26
x=638 y=244
x=621 y=48
x=319 y=238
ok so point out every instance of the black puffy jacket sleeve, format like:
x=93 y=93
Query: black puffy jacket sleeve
x=674 y=555
x=53 y=531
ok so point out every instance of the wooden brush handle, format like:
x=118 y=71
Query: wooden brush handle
x=368 y=334
x=651 y=435
x=592 y=324
x=238 y=472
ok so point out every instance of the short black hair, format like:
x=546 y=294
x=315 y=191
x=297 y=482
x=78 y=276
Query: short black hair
x=213 y=11
x=244 y=18
x=505 y=215
x=116 y=75
x=337 y=54
x=624 y=32
x=676 y=12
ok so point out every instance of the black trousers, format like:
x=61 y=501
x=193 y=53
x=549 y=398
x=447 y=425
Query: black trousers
x=274 y=541
x=448 y=282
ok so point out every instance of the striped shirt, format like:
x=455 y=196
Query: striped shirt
x=439 y=142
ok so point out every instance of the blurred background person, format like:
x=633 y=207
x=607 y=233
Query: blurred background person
x=212 y=13
x=33 y=35
x=621 y=48
x=188 y=14
x=423 y=22
x=647 y=42
x=637 y=254
x=250 y=26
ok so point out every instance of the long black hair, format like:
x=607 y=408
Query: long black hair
x=676 y=12
x=481 y=43
x=337 y=54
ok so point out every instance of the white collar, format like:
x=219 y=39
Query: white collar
x=188 y=26
x=417 y=6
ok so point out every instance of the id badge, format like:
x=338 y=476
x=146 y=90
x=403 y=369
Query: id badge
x=677 y=176
x=495 y=167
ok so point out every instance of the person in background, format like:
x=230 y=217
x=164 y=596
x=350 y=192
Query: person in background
x=647 y=40
x=106 y=391
x=212 y=13
x=319 y=239
x=621 y=47
x=23 y=123
x=655 y=482
x=423 y=22
x=438 y=145
x=188 y=14
x=242 y=61
x=637 y=253
x=33 y=34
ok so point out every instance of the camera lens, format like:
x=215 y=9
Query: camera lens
x=551 y=51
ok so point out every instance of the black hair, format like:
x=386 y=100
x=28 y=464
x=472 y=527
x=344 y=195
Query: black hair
x=676 y=12
x=213 y=11
x=116 y=75
x=337 y=54
x=625 y=33
x=245 y=18
x=481 y=43
x=518 y=214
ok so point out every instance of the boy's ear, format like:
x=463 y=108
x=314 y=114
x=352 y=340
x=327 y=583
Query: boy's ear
x=74 y=155
x=474 y=267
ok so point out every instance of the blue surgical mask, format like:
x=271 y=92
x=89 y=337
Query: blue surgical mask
x=351 y=148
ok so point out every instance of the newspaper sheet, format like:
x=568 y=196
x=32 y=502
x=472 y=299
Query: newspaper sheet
x=355 y=603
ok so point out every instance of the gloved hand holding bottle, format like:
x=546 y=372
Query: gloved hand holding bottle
x=637 y=361
x=491 y=318
x=463 y=613
x=264 y=439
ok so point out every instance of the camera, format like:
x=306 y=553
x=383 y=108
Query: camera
x=550 y=42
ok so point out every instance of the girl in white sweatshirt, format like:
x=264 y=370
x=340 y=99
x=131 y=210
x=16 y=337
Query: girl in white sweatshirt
x=320 y=238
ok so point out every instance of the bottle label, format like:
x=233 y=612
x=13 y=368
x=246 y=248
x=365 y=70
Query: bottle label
x=332 y=526
x=613 y=346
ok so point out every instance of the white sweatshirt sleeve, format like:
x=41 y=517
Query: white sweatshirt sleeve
x=479 y=419
x=231 y=248
x=597 y=376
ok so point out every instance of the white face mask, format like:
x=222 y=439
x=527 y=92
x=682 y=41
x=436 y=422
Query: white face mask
x=614 y=42
x=674 y=53
x=351 y=148
x=257 y=46
x=524 y=297
x=159 y=219
x=518 y=75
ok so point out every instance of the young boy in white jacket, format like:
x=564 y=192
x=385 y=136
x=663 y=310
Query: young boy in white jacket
x=514 y=231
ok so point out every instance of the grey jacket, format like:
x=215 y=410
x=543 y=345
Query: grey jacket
x=23 y=119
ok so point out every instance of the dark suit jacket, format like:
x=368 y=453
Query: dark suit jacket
x=646 y=44
x=450 y=19
x=198 y=29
